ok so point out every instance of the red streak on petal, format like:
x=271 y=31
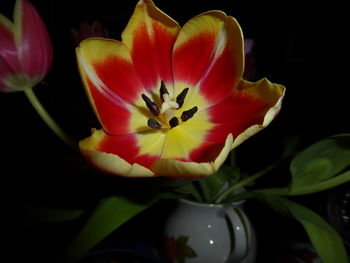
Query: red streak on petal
x=207 y=152
x=125 y=146
x=164 y=42
x=191 y=59
x=143 y=58
x=235 y=114
x=221 y=80
x=114 y=119
x=152 y=54
x=119 y=76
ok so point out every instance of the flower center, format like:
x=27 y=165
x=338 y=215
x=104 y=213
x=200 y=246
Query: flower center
x=165 y=114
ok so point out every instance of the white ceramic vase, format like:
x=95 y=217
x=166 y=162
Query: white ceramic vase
x=206 y=233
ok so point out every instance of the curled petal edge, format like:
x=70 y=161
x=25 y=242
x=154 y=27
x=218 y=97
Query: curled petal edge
x=191 y=170
x=269 y=116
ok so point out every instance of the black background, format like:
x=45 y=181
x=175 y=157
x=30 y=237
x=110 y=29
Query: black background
x=305 y=48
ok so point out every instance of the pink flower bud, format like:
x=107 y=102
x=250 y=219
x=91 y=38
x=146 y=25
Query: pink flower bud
x=25 y=49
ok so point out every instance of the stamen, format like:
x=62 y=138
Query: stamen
x=180 y=99
x=163 y=90
x=154 y=124
x=174 y=122
x=188 y=114
x=151 y=105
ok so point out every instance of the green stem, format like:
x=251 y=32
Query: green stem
x=249 y=179
x=204 y=190
x=240 y=184
x=49 y=120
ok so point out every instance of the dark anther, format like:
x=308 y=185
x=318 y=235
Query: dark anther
x=188 y=114
x=151 y=105
x=154 y=124
x=174 y=122
x=180 y=99
x=163 y=90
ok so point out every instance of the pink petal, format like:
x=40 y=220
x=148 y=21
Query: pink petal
x=32 y=39
x=8 y=51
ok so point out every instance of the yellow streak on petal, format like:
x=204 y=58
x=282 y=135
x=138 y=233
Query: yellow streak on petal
x=191 y=170
x=107 y=162
x=208 y=22
x=179 y=144
x=220 y=159
x=193 y=98
x=147 y=13
x=98 y=49
x=151 y=142
x=182 y=170
x=262 y=89
x=198 y=126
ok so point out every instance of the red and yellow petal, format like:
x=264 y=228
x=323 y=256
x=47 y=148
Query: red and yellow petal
x=102 y=152
x=249 y=109
x=208 y=54
x=192 y=170
x=110 y=80
x=150 y=35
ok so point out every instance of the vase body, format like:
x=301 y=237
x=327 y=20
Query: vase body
x=338 y=207
x=205 y=233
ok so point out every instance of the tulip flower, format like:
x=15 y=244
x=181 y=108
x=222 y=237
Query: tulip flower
x=25 y=49
x=171 y=100
x=86 y=31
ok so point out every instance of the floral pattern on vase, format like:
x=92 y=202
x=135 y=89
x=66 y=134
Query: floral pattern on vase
x=177 y=250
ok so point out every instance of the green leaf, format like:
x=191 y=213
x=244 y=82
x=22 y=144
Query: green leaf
x=110 y=214
x=230 y=174
x=324 y=238
x=321 y=161
x=187 y=191
x=212 y=185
